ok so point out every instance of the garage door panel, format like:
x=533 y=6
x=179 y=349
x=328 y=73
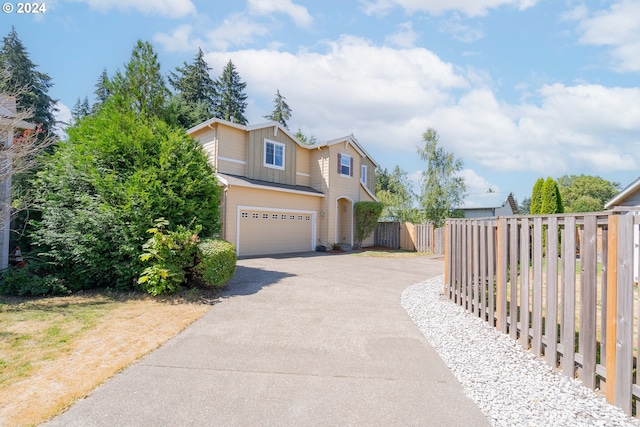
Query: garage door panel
x=271 y=232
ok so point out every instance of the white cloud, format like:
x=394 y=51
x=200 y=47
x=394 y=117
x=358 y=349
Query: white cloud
x=459 y=31
x=63 y=118
x=404 y=37
x=299 y=14
x=387 y=97
x=477 y=184
x=617 y=28
x=436 y=7
x=170 y=8
x=235 y=30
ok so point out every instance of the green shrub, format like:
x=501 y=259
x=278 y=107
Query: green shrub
x=25 y=282
x=217 y=262
x=173 y=254
x=102 y=188
x=366 y=216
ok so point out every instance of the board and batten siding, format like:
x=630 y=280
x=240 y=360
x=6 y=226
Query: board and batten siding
x=255 y=157
x=303 y=166
x=232 y=151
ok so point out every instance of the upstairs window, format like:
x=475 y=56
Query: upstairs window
x=363 y=174
x=273 y=154
x=345 y=164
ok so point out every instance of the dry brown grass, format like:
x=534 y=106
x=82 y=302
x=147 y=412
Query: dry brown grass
x=54 y=351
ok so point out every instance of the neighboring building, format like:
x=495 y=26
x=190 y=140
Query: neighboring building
x=628 y=200
x=281 y=196
x=489 y=205
x=9 y=123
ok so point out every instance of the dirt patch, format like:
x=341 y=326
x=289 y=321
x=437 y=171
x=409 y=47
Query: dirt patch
x=121 y=333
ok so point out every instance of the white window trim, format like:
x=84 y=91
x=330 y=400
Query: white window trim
x=264 y=154
x=342 y=157
x=363 y=174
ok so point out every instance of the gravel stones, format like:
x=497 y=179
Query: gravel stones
x=508 y=383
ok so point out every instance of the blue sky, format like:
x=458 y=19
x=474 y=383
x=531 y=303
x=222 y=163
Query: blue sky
x=517 y=89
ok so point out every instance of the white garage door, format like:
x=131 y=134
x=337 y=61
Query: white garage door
x=263 y=231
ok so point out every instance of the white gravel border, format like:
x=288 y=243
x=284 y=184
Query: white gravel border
x=509 y=384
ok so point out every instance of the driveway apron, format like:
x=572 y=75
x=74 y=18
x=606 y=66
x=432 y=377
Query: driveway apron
x=301 y=340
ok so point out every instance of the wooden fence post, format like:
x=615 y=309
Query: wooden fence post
x=624 y=316
x=501 y=285
x=612 y=296
x=447 y=262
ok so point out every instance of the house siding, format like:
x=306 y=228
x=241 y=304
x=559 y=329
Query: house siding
x=255 y=157
x=303 y=166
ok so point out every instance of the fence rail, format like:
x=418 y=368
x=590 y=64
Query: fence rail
x=411 y=237
x=562 y=285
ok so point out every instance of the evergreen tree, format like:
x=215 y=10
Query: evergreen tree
x=281 y=111
x=141 y=88
x=102 y=91
x=306 y=140
x=443 y=189
x=80 y=109
x=551 y=201
x=194 y=85
x=233 y=100
x=19 y=75
x=536 y=197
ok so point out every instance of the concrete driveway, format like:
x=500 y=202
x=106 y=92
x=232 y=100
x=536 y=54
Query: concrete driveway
x=314 y=339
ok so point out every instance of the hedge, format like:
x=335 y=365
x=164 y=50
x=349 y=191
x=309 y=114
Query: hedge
x=217 y=262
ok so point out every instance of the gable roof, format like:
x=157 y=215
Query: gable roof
x=350 y=140
x=626 y=192
x=489 y=201
x=247 y=128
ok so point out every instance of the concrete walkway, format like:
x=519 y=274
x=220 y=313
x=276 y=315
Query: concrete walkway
x=301 y=340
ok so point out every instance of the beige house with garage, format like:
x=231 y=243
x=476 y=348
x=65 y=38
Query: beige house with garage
x=282 y=196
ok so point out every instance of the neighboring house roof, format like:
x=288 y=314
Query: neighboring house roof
x=279 y=128
x=243 y=181
x=624 y=194
x=489 y=201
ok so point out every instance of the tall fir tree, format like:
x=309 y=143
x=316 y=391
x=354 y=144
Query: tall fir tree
x=80 y=109
x=233 y=100
x=535 y=207
x=281 y=110
x=19 y=75
x=102 y=91
x=193 y=83
x=551 y=199
x=141 y=87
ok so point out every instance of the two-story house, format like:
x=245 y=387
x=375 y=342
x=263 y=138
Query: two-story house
x=282 y=196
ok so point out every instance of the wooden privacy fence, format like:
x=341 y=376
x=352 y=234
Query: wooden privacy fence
x=411 y=237
x=560 y=284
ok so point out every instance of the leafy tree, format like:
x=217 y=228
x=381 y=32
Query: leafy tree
x=366 y=216
x=442 y=187
x=395 y=191
x=536 y=197
x=20 y=76
x=102 y=189
x=306 y=140
x=194 y=85
x=586 y=193
x=281 y=111
x=233 y=100
x=184 y=114
x=141 y=88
